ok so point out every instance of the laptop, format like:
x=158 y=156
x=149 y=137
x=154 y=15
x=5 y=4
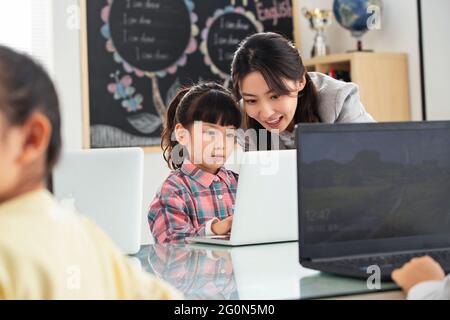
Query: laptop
x=266 y=206
x=373 y=196
x=105 y=185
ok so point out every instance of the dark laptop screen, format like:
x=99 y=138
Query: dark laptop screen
x=369 y=185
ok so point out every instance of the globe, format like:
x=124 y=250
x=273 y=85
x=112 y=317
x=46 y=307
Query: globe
x=355 y=15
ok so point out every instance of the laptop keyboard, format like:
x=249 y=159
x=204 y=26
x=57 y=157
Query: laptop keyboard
x=393 y=261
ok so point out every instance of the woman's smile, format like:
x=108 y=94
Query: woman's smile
x=274 y=123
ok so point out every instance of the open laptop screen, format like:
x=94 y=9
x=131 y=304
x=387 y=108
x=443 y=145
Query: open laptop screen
x=359 y=183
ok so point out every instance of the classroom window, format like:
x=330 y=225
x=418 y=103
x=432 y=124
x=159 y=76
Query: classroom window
x=25 y=25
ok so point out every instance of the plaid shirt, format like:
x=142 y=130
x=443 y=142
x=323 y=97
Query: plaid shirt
x=188 y=199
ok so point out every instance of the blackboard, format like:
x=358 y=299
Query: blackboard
x=138 y=53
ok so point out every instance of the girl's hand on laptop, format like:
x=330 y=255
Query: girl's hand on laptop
x=416 y=271
x=223 y=227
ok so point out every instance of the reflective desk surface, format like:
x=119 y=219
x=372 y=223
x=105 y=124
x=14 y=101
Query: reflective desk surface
x=263 y=272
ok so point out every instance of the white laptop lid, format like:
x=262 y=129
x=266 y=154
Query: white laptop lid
x=106 y=185
x=266 y=200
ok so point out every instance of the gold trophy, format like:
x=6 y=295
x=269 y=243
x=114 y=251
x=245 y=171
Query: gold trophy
x=319 y=20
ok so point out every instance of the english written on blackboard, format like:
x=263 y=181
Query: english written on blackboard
x=277 y=11
x=140 y=4
x=131 y=21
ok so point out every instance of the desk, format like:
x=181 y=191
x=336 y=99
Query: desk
x=265 y=272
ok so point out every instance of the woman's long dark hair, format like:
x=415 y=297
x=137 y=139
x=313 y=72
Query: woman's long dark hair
x=276 y=59
x=207 y=102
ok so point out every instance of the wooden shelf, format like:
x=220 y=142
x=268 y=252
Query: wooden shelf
x=382 y=79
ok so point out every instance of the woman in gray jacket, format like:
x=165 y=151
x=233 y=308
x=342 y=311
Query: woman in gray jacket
x=277 y=93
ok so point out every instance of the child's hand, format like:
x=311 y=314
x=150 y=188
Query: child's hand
x=416 y=271
x=223 y=227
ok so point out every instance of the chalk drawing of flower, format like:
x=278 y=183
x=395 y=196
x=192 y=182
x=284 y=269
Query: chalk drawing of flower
x=191 y=47
x=205 y=32
x=122 y=90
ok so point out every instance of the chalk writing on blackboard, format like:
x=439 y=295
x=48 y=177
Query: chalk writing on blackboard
x=223 y=34
x=272 y=10
x=140 y=34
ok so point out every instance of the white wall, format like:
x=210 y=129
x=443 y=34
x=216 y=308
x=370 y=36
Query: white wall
x=67 y=72
x=436 y=44
x=399 y=33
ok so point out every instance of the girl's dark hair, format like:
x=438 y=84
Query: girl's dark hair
x=276 y=58
x=207 y=102
x=25 y=88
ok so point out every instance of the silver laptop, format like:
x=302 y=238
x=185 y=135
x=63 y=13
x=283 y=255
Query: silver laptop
x=107 y=186
x=266 y=201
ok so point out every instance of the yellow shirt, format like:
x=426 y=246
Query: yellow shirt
x=48 y=252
